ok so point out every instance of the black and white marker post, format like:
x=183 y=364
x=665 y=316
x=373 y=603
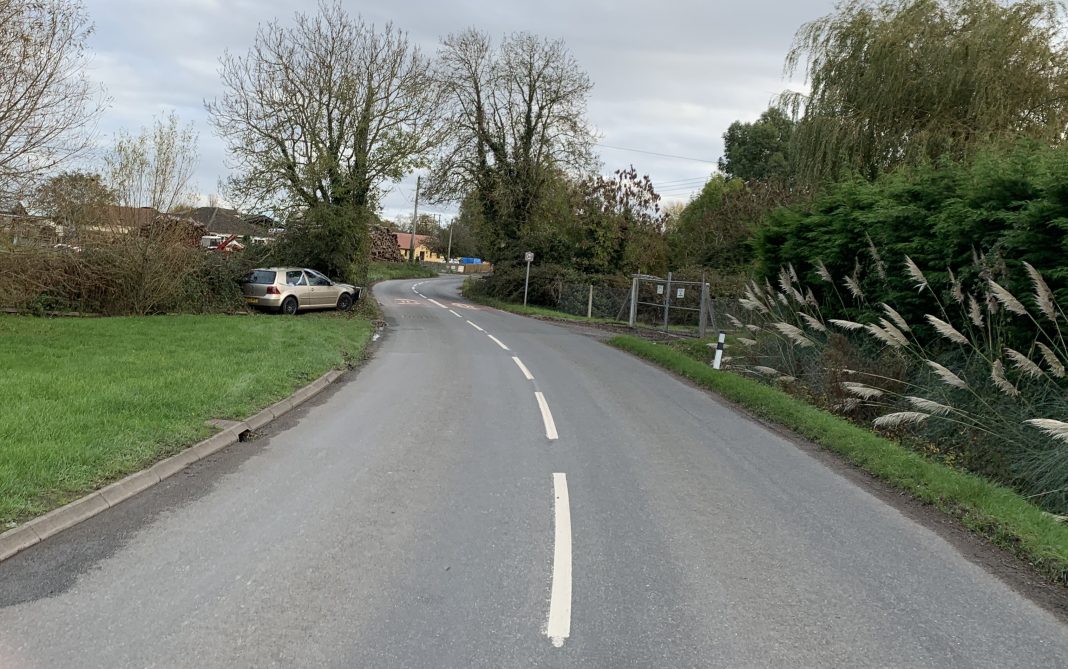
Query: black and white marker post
x=719 y=350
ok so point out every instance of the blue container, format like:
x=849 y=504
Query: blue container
x=470 y=261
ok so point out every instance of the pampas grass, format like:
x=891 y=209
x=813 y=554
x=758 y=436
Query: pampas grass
x=979 y=383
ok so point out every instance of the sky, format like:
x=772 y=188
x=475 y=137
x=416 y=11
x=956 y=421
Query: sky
x=669 y=77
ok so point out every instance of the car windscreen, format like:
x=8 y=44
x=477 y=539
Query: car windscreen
x=260 y=276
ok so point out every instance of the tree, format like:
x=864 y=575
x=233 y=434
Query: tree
x=905 y=82
x=155 y=167
x=620 y=225
x=459 y=237
x=320 y=114
x=515 y=120
x=759 y=150
x=72 y=199
x=46 y=101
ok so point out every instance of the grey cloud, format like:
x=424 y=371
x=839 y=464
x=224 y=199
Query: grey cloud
x=668 y=77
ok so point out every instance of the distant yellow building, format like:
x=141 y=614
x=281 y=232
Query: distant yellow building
x=422 y=250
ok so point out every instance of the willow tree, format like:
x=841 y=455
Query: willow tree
x=905 y=82
x=516 y=119
x=318 y=116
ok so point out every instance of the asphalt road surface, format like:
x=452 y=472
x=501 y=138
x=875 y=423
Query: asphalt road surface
x=494 y=491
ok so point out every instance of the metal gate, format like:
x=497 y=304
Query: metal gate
x=678 y=307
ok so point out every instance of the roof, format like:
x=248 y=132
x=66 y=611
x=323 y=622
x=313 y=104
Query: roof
x=230 y=222
x=404 y=239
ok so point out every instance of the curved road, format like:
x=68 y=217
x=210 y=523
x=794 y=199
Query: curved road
x=494 y=491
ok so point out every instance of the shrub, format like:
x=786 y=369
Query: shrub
x=159 y=272
x=962 y=382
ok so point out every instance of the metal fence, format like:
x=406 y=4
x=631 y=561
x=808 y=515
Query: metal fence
x=679 y=306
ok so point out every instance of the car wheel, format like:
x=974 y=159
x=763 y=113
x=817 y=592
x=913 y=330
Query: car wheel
x=289 y=306
x=344 y=302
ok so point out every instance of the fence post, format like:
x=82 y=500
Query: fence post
x=589 y=305
x=667 y=302
x=634 y=302
x=702 y=323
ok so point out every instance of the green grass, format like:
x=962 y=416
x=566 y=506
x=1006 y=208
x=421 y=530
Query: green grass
x=385 y=271
x=990 y=510
x=87 y=401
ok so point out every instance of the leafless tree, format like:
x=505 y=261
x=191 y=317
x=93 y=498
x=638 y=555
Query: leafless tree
x=516 y=116
x=46 y=101
x=155 y=167
x=324 y=111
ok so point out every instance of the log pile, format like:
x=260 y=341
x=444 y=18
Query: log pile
x=384 y=245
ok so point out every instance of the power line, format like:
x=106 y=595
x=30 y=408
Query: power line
x=654 y=153
x=680 y=182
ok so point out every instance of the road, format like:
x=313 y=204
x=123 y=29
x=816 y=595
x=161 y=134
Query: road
x=494 y=491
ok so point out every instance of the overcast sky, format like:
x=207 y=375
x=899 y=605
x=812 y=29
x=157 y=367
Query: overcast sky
x=669 y=76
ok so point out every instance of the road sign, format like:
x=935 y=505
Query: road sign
x=529 y=258
x=660 y=289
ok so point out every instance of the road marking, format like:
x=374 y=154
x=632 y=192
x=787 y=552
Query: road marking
x=375 y=338
x=433 y=301
x=421 y=295
x=404 y=300
x=455 y=314
x=547 y=417
x=499 y=343
x=475 y=326
x=559 y=627
x=464 y=305
x=522 y=367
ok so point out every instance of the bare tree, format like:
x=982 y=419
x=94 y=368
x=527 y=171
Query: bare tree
x=516 y=118
x=155 y=167
x=46 y=102
x=325 y=110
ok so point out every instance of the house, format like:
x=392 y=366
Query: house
x=117 y=220
x=422 y=247
x=223 y=223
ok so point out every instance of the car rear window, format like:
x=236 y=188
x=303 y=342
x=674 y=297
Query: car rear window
x=260 y=276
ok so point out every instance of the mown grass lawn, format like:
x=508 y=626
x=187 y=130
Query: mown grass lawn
x=87 y=401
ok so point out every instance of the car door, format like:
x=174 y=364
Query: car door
x=324 y=294
x=297 y=285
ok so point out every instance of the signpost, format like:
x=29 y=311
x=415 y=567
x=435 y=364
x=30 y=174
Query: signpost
x=529 y=257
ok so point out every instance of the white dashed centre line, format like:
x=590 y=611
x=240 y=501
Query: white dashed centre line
x=559 y=627
x=455 y=314
x=523 y=368
x=433 y=301
x=475 y=326
x=547 y=417
x=499 y=342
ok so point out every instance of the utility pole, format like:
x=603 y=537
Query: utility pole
x=448 y=254
x=415 y=221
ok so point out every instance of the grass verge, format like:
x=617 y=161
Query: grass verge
x=995 y=512
x=386 y=271
x=87 y=401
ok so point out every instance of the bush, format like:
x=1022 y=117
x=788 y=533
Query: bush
x=127 y=275
x=549 y=284
x=978 y=381
x=1005 y=206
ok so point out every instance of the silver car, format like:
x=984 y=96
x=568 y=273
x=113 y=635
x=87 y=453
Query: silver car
x=292 y=289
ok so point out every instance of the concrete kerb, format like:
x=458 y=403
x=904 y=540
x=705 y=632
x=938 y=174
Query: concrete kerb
x=32 y=532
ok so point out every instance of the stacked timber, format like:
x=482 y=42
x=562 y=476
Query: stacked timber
x=384 y=245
